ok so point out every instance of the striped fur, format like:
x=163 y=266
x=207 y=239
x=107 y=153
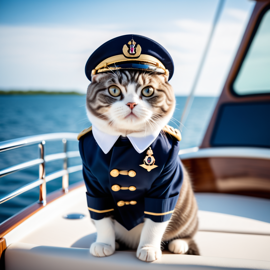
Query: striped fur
x=109 y=115
x=184 y=221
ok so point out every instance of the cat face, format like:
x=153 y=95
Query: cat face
x=127 y=102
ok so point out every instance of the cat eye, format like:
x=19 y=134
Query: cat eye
x=148 y=91
x=114 y=91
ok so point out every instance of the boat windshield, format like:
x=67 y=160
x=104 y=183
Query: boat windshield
x=253 y=76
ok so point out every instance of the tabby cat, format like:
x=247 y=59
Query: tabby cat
x=126 y=102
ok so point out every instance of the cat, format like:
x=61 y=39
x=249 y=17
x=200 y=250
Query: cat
x=126 y=102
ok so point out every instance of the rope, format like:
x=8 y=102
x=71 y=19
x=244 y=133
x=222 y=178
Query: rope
x=198 y=74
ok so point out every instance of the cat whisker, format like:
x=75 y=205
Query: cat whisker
x=112 y=71
x=177 y=125
x=178 y=122
x=117 y=71
x=174 y=120
x=153 y=122
x=157 y=117
x=150 y=125
x=83 y=120
x=174 y=123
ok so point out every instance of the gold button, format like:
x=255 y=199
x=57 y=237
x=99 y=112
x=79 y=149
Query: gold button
x=121 y=203
x=116 y=188
x=131 y=173
x=133 y=202
x=132 y=188
x=127 y=203
x=114 y=173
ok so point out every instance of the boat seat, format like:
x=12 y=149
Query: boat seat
x=49 y=241
x=242 y=206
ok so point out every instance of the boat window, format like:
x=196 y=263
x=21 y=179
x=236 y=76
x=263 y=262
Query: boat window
x=254 y=74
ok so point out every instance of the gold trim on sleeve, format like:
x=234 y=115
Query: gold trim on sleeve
x=158 y=214
x=100 y=211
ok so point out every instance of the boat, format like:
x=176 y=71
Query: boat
x=230 y=172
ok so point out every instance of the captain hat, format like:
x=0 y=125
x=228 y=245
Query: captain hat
x=132 y=52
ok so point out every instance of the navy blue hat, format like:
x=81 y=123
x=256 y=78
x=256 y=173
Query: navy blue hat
x=130 y=52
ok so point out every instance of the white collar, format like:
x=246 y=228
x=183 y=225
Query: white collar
x=106 y=141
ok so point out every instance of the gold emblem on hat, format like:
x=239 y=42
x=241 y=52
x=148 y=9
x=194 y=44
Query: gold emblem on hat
x=132 y=50
x=149 y=161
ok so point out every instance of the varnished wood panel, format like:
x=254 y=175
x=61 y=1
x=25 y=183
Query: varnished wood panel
x=2 y=249
x=227 y=96
x=16 y=220
x=242 y=176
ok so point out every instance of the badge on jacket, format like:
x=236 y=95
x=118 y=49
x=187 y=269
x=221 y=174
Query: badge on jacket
x=149 y=161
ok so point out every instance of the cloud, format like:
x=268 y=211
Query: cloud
x=54 y=57
x=237 y=14
x=192 y=26
x=47 y=57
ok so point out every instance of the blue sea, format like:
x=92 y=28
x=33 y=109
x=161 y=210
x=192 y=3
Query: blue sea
x=23 y=115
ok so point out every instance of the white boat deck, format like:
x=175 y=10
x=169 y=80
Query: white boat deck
x=49 y=241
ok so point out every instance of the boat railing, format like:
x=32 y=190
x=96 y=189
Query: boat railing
x=40 y=140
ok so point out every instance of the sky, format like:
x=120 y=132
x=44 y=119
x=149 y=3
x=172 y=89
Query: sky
x=44 y=45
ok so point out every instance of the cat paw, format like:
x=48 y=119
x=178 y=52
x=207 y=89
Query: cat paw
x=148 y=254
x=178 y=246
x=101 y=249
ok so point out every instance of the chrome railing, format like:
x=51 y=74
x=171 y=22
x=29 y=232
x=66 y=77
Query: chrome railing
x=41 y=161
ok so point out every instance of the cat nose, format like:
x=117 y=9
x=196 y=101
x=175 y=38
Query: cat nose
x=131 y=105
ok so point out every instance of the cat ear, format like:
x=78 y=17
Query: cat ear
x=98 y=77
x=94 y=78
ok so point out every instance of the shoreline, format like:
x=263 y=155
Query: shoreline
x=39 y=92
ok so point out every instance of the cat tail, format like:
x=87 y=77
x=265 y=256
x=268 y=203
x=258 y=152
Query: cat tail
x=192 y=247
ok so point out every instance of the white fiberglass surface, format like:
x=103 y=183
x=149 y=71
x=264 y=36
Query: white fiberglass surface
x=241 y=152
x=242 y=206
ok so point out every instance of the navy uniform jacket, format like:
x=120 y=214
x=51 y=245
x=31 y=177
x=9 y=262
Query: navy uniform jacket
x=155 y=193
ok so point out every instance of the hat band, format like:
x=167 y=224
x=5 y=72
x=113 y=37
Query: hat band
x=114 y=60
x=132 y=65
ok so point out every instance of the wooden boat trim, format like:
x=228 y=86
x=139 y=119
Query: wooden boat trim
x=3 y=247
x=16 y=220
x=230 y=175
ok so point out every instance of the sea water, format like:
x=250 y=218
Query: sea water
x=23 y=115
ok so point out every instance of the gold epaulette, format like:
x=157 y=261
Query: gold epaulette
x=85 y=131
x=172 y=131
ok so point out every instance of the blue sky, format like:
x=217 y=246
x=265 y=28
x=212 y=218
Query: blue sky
x=87 y=13
x=45 y=44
